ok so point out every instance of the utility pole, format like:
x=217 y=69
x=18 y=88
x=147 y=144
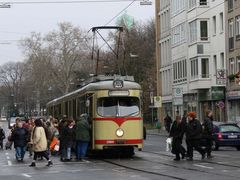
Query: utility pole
x=158 y=58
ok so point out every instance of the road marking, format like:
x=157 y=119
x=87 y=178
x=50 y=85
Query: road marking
x=26 y=175
x=9 y=163
x=202 y=166
x=149 y=144
x=225 y=170
x=220 y=155
x=96 y=170
x=8 y=157
x=6 y=154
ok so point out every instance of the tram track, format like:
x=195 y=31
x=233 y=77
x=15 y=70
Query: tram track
x=142 y=170
x=206 y=161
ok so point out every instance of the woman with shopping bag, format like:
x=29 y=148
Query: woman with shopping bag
x=176 y=132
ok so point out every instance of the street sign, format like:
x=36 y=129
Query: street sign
x=178 y=101
x=146 y=2
x=221 y=78
x=178 y=92
x=157 y=101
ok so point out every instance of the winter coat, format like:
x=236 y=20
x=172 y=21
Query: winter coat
x=82 y=131
x=39 y=140
x=19 y=137
x=177 y=131
x=2 y=134
x=193 y=130
x=68 y=136
x=207 y=128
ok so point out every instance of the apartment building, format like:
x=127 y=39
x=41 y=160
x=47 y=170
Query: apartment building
x=232 y=11
x=196 y=58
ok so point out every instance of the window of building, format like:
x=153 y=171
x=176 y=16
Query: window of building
x=204 y=30
x=238 y=64
x=230 y=34
x=238 y=27
x=194 y=68
x=177 y=6
x=215 y=64
x=231 y=66
x=230 y=5
x=179 y=34
x=192 y=4
x=180 y=71
x=193 y=31
x=222 y=60
x=214 y=25
x=203 y=2
x=205 y=67
x=221 y=22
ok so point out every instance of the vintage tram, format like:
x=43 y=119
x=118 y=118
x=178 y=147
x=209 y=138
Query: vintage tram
x=113 y=105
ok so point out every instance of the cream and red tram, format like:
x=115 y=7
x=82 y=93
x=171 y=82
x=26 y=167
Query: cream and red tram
x=113 y=105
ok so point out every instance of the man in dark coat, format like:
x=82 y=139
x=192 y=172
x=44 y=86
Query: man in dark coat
x=177 y=132
x=20 y=138
x=207 y=133
x=167 y=122
x=193 y=136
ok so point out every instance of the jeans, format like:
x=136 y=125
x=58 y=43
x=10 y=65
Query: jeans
x=20 y=152
x=82 y=147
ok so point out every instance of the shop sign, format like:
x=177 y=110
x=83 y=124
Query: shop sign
x=218 y=93
x=233 y=95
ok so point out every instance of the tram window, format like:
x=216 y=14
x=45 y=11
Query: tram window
x=118 y=106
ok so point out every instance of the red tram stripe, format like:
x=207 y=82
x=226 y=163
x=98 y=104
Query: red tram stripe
x=127 y=141
x=119 y=121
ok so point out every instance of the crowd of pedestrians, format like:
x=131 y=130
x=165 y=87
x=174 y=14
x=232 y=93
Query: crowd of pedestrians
x=197 y=135
x=45 y=138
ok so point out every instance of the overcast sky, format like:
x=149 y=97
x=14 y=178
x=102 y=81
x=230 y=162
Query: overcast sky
x=20 y=20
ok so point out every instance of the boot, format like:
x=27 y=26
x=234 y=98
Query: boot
x=33 y=164
x=49 y=163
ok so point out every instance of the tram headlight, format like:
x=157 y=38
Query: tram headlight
x=119 y=132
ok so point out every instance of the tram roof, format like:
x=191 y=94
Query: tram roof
x=102 y=83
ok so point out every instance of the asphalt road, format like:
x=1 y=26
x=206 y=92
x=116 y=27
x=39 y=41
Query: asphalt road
x=151 y=163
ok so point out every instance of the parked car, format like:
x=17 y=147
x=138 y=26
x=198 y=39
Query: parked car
x=226 y=134
x=12 y=121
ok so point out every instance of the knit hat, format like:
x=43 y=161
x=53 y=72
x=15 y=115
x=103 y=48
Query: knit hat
x=192 y=114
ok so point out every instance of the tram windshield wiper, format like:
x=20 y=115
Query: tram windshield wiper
x=132 y=113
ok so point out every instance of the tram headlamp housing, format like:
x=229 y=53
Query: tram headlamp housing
x=119 y=132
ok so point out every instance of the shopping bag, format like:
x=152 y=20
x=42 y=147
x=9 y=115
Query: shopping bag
x=169 y=144
x=56 y=147
x=53 y=143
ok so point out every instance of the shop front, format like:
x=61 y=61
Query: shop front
x=233 y=99
x=212 y=99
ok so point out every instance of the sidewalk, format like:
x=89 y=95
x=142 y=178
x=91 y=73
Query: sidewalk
x=158 y=132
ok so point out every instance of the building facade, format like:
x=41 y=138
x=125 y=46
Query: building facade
x=196 y=59
x=232 y=11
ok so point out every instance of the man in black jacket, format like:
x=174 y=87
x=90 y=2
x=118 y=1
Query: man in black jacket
x=207 y=133
x=177 y=132
x=193 y=136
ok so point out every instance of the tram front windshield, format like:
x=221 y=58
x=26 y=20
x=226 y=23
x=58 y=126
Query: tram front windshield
x=118 y=106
